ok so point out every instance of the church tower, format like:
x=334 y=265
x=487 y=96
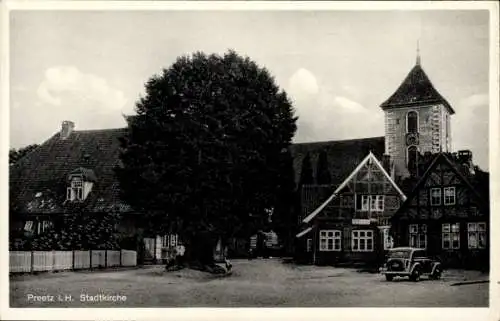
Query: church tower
x=417 y=120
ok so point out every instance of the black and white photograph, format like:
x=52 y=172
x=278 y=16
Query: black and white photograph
x=227 y=157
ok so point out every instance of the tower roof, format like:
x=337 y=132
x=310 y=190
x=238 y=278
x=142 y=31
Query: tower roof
x=416 y=89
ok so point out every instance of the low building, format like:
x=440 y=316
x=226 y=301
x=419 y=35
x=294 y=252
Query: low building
x=72 y=171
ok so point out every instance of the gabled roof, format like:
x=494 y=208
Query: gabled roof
x=87 y=174
x=43 y=173
x=439 y=158
x=369 y=158
x=416 y=89
x=343 y=155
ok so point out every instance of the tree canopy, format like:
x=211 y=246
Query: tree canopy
x=203 y=151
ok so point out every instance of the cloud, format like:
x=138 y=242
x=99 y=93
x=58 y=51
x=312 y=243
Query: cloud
x=303 y=84
x=473 y=101
x=327 y=116
x=67 y=85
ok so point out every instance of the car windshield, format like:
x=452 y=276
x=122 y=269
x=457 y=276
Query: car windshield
x=400 y=253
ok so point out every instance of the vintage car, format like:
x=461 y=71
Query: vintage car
x=411 y=262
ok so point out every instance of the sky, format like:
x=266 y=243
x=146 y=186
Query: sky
x=337 y=66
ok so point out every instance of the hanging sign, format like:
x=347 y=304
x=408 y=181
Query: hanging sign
x=360 y=221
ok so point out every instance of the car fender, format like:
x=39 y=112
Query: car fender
x=435 y=266
x=414 y=266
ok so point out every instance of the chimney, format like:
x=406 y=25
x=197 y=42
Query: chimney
x=465 y=160
x=66 y=129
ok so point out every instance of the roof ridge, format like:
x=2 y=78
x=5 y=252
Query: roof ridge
x=339 y=141
x=85 y=131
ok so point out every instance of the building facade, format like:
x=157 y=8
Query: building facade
x=352 y=225
x=447 y=213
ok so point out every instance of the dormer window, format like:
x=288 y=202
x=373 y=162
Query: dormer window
x=80 y=182
x=75 y=191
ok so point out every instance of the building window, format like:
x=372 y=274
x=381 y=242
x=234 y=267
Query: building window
x=329 y=240
x=412 y=122
x=377 y=203
x=476 y=235
x=449 y=196
x=309 y=244
x=388 y=241
x=411 y=157
x=451 y=236
x=363 y=203
x=374 y=203
x=344 y=201
x=75 y=192
x=44 y=226
x=418 y=235
x=362 y=241
x=435 y=196
x=28 y=226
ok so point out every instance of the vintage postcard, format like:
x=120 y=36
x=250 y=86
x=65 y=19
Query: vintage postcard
x=310 y=157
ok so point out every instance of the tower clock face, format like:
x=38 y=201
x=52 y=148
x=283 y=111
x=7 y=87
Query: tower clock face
x=411 y=139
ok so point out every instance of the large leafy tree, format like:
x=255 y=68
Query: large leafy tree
x=202 y=155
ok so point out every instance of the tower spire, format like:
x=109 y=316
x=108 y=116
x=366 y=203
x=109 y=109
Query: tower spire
x=418 y=53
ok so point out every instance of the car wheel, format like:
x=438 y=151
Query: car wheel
x=389 y=277
x=415 y=276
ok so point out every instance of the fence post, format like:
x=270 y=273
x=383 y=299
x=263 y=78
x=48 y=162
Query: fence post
x=154 y=250
x=121 y=264
x=53 y=260
x=32 y=261
x=90 y=253
x=105 y=259
x=73 y=260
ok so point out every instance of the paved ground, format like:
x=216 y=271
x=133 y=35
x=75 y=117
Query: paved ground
x=255 y=283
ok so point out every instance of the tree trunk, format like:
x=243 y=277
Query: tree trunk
x=199 y=250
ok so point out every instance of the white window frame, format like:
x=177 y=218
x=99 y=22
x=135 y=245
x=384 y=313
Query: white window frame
x=450 y=232
x=76 y=190
x=477 y=229
x=28 y=226
x=431 y=196
x=309 y=243
x=362 y=235
x=419 y=233
x=365 y=203
x=46 y=225
x=370 y=203
x=452 y=197
x=325 y=236
x=377 y=203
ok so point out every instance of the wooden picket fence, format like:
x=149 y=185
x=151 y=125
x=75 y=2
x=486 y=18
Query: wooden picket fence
x=38 y=261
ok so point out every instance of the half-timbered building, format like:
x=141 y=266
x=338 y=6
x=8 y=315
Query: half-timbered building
x=447 y=212
x=352 y=224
